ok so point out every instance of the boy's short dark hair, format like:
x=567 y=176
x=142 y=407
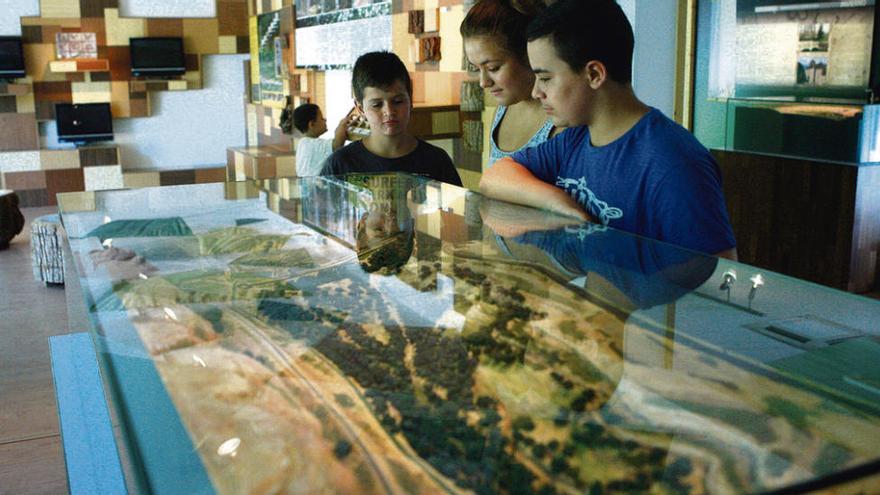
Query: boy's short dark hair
x=585 y=30
x=378 y=70
x=304 y=114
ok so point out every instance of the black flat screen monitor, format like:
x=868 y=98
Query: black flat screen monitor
x=84 y=122
x=11 y=58
x=157 y=57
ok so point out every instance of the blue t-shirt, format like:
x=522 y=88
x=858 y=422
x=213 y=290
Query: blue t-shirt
x=656 y=180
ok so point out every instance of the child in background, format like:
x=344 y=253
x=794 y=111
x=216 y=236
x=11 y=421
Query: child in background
x=383 y=95
x=311 y=151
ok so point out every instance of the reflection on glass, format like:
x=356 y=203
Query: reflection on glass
x=376 y=334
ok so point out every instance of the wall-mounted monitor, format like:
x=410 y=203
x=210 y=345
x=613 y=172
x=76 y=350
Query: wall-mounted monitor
x=157 y=57
x=11 y=58
x=83 y=122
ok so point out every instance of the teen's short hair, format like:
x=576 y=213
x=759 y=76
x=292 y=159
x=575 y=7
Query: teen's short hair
x=585 y=30
x=304 y=114
x=505 y=20
x=378 y=70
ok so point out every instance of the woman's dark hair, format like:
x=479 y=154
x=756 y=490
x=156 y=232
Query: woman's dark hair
x=304 y=114
x=504 y=19
x=582 y=31
x=378 y=70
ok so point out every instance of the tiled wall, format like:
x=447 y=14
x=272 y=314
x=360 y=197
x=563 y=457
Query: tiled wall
x=110 y=80
x=107 y=79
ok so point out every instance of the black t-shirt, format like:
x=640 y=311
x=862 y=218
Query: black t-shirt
x=426 y=160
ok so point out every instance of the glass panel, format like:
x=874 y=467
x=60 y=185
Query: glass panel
x=789 y=48
x=823 y=130
x=390 y=334
x=784 y=77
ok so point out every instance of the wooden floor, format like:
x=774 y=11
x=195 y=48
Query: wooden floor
x=31 y=459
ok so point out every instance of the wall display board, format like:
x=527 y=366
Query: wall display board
x=272 y=67
x=784 y=64
x=331 y=35
x=775 y=48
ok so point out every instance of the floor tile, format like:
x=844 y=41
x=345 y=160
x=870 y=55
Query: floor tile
x=33 y=467
x=28 y=409
x=31 y=459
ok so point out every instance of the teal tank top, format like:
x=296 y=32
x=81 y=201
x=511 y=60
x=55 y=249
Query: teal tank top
x=496 y=153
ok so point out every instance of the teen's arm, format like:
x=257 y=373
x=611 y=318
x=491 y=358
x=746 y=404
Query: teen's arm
x=340 y=133
x=509 y=181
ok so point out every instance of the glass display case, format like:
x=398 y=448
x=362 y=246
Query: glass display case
x=395 y=335
x=790 y=78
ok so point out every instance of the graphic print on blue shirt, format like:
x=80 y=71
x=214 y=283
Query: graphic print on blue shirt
x=578 y=190
x=656 y=180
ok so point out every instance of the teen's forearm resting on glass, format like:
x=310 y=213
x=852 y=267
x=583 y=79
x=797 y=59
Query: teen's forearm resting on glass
x=509 y=181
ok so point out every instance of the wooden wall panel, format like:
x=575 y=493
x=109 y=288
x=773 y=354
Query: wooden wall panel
x=229 y=16
x=798 y=217
x=165 y=27
x=60 y=8
x=120 y=62
x=59 y=159
x=98 y=156
x=69 y=180
x=32 y=197
x=19 y=132
x=200 y=35
x=8 y=104
x=36 y=62
x=206 y=175
x=177 y=177
x=865 y=266
x=90 y=92
x=26 y=180
x=119 y=99
x=32 y=34
x=95 y=8
x=120 y=29
x=25 y=103
x=95 y=25
x=47 y=94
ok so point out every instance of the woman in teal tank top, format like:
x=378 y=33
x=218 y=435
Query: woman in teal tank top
x=494 y=33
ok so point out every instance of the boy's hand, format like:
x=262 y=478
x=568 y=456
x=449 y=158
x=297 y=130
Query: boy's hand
x=341 y=131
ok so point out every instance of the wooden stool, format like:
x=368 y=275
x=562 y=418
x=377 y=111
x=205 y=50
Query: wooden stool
x=46 y=251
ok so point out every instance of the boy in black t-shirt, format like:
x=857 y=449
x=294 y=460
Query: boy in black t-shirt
x=383 y=95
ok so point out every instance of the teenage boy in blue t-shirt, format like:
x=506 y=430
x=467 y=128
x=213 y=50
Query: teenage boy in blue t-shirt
x=621 y=163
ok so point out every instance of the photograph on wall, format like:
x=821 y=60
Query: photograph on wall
x=280 y=66
x=812 y=66
x=270 y=59
x=308 y=8
x=76 y=45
